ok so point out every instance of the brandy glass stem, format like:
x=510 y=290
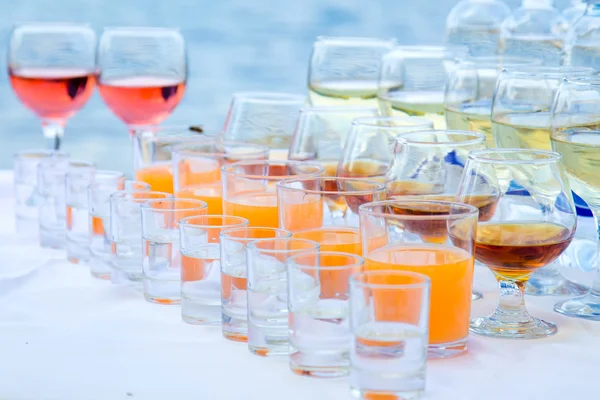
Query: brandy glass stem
x=587 y=306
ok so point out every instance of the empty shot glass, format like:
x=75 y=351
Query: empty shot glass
x=160 y=242
x=99 y=222
x=319 y=309
x=199 y=244
x=79 y=175
x=27 y=197
x=389 y=317
x=233 y=277
x=268 y=333
x=52 y=208
x=126 y=233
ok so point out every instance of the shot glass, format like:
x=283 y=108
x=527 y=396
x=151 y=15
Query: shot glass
x=99 y=222
x=160 y=243
x=389 y=317
x=433 y=238
x=52 y=209
x=27 y=197
x=319 y=307
x=199 y=244
x=268 y=332
x=79 y=175
x=233 y=277
x=126 y=233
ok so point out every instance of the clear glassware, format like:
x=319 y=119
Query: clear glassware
x=264 y=118
x=417 y=236
x=535 y=29
x=321 y=133
x=100 y=243
x=143 y=74
x=412 y=81
x=576 y=135
x=534 y=223
x=234 y=273
x=200 y=248
x=470 y=91
x=249 y=188
x=319 y=309
x=152 y=153
x=78 y=177
x=476 y=24
x=574 y=12
x=26 y=194
x=267 y=284
x=343 y=71
x=389 y=320
x=369 y=147
x=197 y=168
x=52 y=70
x=583 y=49
x=52 y=209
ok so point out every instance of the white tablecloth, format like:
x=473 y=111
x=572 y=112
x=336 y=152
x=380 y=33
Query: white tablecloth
x=65 y=335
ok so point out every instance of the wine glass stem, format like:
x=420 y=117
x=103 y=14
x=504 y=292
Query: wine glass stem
x=511 y=307
x=595 y=289
x=53 y=133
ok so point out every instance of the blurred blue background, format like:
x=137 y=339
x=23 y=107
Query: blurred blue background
x=233 y=45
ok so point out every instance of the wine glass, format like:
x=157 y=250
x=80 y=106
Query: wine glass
x=343 y=71
x=370 y=143
x=534 y=223
x=52 y=70
x=412 y=81
x=321 y=132
x=470 y=90
x=264 y=118
x=576 y=135
x=143 y=73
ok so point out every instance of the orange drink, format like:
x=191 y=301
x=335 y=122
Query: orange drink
x=258 y=208
x=392 y=242
x=334 y=238
x=159 y=177
x=451 y=272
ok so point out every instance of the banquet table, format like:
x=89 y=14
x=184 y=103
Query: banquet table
x=65 y=335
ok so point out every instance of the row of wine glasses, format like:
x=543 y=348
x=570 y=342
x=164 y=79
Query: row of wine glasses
x=140 y=72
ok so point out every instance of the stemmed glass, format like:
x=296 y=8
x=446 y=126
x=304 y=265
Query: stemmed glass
x=370 y=143
x=343 y=71
x=52 y=70
x=143 y=73
x=470 y=90
x=576 y=135
x=534 y=223
x=521 y=118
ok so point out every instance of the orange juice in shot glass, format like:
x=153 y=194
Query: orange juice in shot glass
x=394 y=240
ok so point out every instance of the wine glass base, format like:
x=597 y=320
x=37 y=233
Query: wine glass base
x=587 y=307
x=533 y=329
x=559 y=287
x=476 y=295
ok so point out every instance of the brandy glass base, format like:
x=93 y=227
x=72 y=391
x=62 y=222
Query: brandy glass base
x=559 y=286
x=587 y=307
x=533 y=329
x=476 y=295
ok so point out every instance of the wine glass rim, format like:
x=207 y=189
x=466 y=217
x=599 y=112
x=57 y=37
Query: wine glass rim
x=193 y=148
x=467 y=210
x=270 y=97
x=356 y=279
x=377 y=187
x=495 y=62
x=240 y=221
x=537 y=156
x=226 y=233
x=227 y=169
x=474 y=137
x=255 y=243
x=194 y=204
x=550 y=72
x=357 y=261
x=375 y=122
x=351 y=41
